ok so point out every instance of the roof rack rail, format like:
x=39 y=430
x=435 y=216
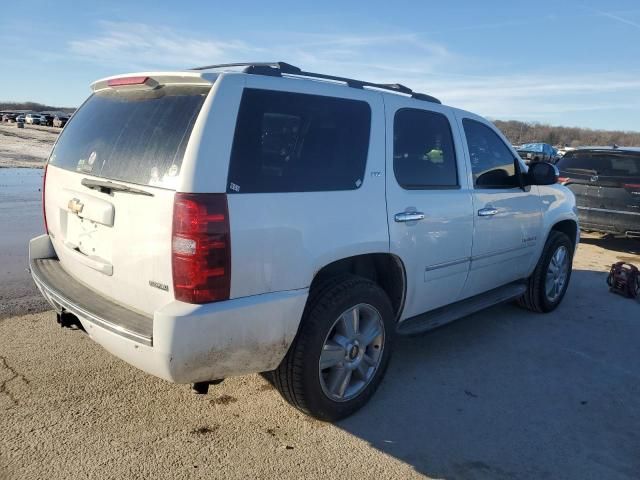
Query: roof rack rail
x=252 y=67
x=278 y=69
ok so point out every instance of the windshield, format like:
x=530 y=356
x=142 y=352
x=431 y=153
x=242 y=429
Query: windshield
x=605 y=163
x=137 y=136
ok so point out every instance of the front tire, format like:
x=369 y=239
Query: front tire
x=342 y=349
x=548 y=283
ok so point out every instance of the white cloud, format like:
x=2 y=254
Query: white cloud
x=126 y=45
x=408 y=58
x=145 y=46
x=618 y=18
x=536 y=96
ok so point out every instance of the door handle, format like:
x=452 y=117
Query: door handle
x=408 y=216
x=487 y=212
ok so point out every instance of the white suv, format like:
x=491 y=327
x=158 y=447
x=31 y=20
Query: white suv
x=32 y=118
x=258 y=218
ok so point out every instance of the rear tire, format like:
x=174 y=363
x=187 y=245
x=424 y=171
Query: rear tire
x=360 y=351
x=548 y=283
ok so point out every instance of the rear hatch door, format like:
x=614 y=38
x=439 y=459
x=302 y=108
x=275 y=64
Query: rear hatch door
x=605 y=182
x=110 y=186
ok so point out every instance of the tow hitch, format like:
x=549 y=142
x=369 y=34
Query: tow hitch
x=69 y=320
x=202 y=388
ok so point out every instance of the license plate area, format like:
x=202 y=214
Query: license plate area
x=89 y=237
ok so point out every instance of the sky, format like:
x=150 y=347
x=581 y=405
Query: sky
x=558 y=62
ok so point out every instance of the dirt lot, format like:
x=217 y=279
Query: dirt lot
x=25 y=147
x=499 y=395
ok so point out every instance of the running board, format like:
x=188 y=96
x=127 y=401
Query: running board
x=443 y=315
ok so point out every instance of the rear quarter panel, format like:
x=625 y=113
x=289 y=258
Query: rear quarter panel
x=280 y=240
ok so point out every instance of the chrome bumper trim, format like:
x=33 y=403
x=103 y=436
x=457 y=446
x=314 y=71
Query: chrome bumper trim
x=605 y=210
x=60 y=302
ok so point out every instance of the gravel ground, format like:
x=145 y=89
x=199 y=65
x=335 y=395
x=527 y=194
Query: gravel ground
x=502 y=394
x=25 y=147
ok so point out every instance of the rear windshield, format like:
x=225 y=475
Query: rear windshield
x=610 y=164
x=134 y=136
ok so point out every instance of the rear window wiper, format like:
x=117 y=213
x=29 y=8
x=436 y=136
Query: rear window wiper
x=108 y=187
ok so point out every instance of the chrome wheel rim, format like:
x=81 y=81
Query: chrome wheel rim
x=351 y=352
x=557 y=273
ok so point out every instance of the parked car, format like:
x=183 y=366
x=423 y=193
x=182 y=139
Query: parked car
x=9 y=117
x=32 y=118
x=606 y=183
x=275 y=220
x=46 y=119
x=538 y=152
x=20 y=119
x=60 y=121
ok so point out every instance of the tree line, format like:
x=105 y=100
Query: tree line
x=36 y=107
x=516 y=131
x=523 y=132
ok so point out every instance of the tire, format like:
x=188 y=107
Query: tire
x=536 y=298
x=299 y=377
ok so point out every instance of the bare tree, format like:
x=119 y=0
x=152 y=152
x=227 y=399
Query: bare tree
x=522 y=132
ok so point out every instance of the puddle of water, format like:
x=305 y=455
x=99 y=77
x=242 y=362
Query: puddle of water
x=20 y=184
x=20 y=219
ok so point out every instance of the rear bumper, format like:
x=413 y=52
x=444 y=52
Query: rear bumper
x=616 y=222
x=65 y=293
x=182 y=343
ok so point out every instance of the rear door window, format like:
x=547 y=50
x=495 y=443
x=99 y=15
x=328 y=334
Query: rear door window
x=136 y=136
x=423 y=152
x=293 y=142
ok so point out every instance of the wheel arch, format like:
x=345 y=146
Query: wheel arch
x=385 y=269
x=569 y=228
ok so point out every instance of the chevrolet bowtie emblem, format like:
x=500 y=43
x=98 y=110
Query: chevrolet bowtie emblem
x=75 y=205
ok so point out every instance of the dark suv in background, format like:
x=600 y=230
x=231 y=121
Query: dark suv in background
x=46 y=119
x=606 y=183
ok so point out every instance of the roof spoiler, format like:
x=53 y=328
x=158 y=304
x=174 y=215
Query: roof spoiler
x=153 y=80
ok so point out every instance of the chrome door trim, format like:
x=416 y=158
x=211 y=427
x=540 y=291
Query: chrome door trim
x=447 y=264
x=499 y=252
x=474 y=259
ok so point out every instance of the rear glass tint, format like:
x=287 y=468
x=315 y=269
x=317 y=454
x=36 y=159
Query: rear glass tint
x=292 y=142
x=136 y=136
x=605 y=163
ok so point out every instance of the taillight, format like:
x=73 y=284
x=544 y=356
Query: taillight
x=44 y=210
x=632 y=188
x=200 y=247
x=118 y=82
x=563 y=180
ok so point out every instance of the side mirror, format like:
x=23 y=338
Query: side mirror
x=542 y=173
